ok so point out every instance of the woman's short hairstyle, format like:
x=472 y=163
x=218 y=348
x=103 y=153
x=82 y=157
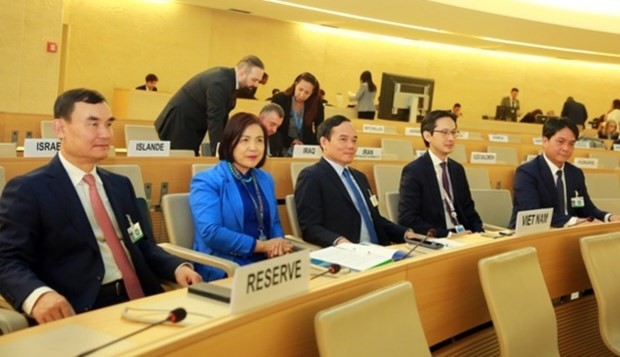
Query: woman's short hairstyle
x=233 y=131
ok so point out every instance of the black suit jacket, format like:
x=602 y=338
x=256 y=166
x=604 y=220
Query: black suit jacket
x=202 y=103
x=280 y=142
x=143 y=87
x=534 y=188
x=326 y=211
x=420 y=206
x=575 y=111
x=46 y=239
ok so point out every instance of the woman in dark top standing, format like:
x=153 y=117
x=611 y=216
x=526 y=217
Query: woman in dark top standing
x=303 y=112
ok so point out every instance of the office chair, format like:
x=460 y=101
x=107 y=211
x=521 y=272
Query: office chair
x=2 y=179
x=391 y=205
x=8 y=150
x=519 y=303
x=196 y=168
x=403 y=149
x=387 y=179
x=494 y=207
x=600 y=255
x=134 y=174
x=296 y=168
x=384 y=322
x=47 y=130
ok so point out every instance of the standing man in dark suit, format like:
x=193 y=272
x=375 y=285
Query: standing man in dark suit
x=334 y=202
x=513 y=103
x=204 y=103
x=550 y=180
x=434 y=192
x=60 y=251
x=150 y=83
x=575 y=112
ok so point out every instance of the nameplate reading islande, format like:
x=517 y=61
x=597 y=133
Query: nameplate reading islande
x=41 y=147
x=151 y=148
x=483 y=158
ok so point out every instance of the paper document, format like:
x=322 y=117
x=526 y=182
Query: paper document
x=354 y=256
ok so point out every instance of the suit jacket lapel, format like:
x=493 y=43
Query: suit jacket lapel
x=336 y=181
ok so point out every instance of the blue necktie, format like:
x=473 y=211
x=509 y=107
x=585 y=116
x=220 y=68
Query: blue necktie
x=361 y=207
x=559 y=185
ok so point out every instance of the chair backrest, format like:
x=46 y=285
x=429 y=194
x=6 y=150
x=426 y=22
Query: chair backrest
x=459 y=154
x=493 y=206
x=519 y=303
x=296 y=168
x=178 y=219
x=602 y=185
x=291 y=211
x=391 y=205
x=2 y=179
x=403 y=149
x=606 y=160
x=505 y=154
x=600 y=255
x=387 y=179
x=382 y=323
x=135 y=176
x=140 y=132
x=607 y=204
x=47 y=129
x=8 y=150
x=196 y=168
x=478 y=177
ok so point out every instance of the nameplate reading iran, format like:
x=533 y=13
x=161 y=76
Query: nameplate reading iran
x=498 y=138
x=483 y=158
x=533 y=221
x=41 y=147
x=306 y=151
x=409 y=131
x=152 y=148
x=370 y=128
x=270 y=280
x=537 y=140
x=366 y=153
x=586 y=163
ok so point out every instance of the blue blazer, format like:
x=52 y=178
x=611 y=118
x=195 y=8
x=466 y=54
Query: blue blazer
x=217 y=211
x=46 y=239
x=534 y=187
x=420 y=206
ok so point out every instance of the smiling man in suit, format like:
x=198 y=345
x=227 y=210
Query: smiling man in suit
x=334 y=201
x=65 y=244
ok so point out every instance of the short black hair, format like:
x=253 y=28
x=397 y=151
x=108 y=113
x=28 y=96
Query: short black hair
x=249 y=62
x=514 y=89
x=151 y=78
x=65 y=103
x=325 y=128
x=553 y=125
x=233 y=130
x=430 y=120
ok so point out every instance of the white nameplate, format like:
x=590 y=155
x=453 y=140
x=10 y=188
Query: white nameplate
x=533 y=221
x=464 y=135
x=151 y=148
x=537 y=140
x=616 y=147
x=366 y=153
x=307 y=151
x=41 y=147
x=498 y=138
x=272 y=279
x=410 y=131
x=419 y=153
x=483 y=158
x=583 y=144
x=530 y=157
x=586 y=163
x=373 y=128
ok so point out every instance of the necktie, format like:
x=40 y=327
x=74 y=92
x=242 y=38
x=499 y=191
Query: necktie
x=130 y=279
x=559 y=185
x=446 y=186
x=361 y=207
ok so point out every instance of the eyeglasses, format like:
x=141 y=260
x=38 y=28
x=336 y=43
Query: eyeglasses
x=446 y=132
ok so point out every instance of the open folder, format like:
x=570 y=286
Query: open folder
x=357 y=257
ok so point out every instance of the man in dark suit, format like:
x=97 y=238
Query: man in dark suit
x=334 y=202
x=204 y=103
x=150 y=83
x=575 y=111
x=512 y=102
x=60 y=252
x=434 y=192
x=550 y=180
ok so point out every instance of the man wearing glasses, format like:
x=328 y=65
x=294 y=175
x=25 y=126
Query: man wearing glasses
x=434 y=193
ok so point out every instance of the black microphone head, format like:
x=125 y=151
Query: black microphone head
x=334 y=268
x=177 y=315
x=431 y=233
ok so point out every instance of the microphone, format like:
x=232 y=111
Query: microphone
x=430 y=234
x=174 y=316
x=333 y=269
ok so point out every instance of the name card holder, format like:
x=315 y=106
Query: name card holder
x=537 y=141
x=498 y=138
x=483 y=158
x=583 y=144
x=410 y=131
x=306 y=151
x=616 y=147
x=41 y=147
x=463 y=135
x=367 y=153
x=373 y=128
x=586 y=163
x=148 y=148
x=533 y=221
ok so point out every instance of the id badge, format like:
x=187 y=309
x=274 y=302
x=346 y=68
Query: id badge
x=374 y=201
x=134 y=230
x=577 y=202
x=459 y=228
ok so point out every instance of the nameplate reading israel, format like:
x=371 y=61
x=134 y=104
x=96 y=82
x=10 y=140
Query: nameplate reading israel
x=270 y=280
x=151 y=148
x=366 y=153
x=483 y=158
x=410 y=131
x=41 y=147
x=498 y=138
x=586 y=163
x=371 y=128
x=307 y=151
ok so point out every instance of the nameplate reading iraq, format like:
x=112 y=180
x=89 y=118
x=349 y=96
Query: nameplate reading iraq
x=483 y=158
x=307 y=151
x=41 y=147
x=270 y=280
x=151 y=148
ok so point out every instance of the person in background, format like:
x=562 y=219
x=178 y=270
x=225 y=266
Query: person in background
x=614 y=113
x=303 y=112
x=365 y=96
x=550 y=180
x=271 y=116
x=531 y=116
x=575 y=111
x=204 y=103
x=512 y=102
x=456 y=110
x=273 y=93
x=250 y=92
x=71 y=234
x=150 y=83
x=609 y=130
x=233 y=204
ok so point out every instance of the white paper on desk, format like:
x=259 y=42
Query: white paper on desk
x=447 y=242
x=358 y=257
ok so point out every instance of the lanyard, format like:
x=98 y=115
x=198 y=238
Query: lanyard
x=298 y=118
x=450 y=204
x=259 y=207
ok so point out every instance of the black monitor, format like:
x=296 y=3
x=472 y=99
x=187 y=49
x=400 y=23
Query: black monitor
x=505 y=113
x=389 y=82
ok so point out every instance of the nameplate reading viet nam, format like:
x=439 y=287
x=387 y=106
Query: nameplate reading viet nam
x=307 y=151
x=586 y=163
x=498 y=138
x=533 y=221
x=272 y=279
x=366 y=153
x=151 y=148
x=41 y=147
x=483 y=158
x=371 y=128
